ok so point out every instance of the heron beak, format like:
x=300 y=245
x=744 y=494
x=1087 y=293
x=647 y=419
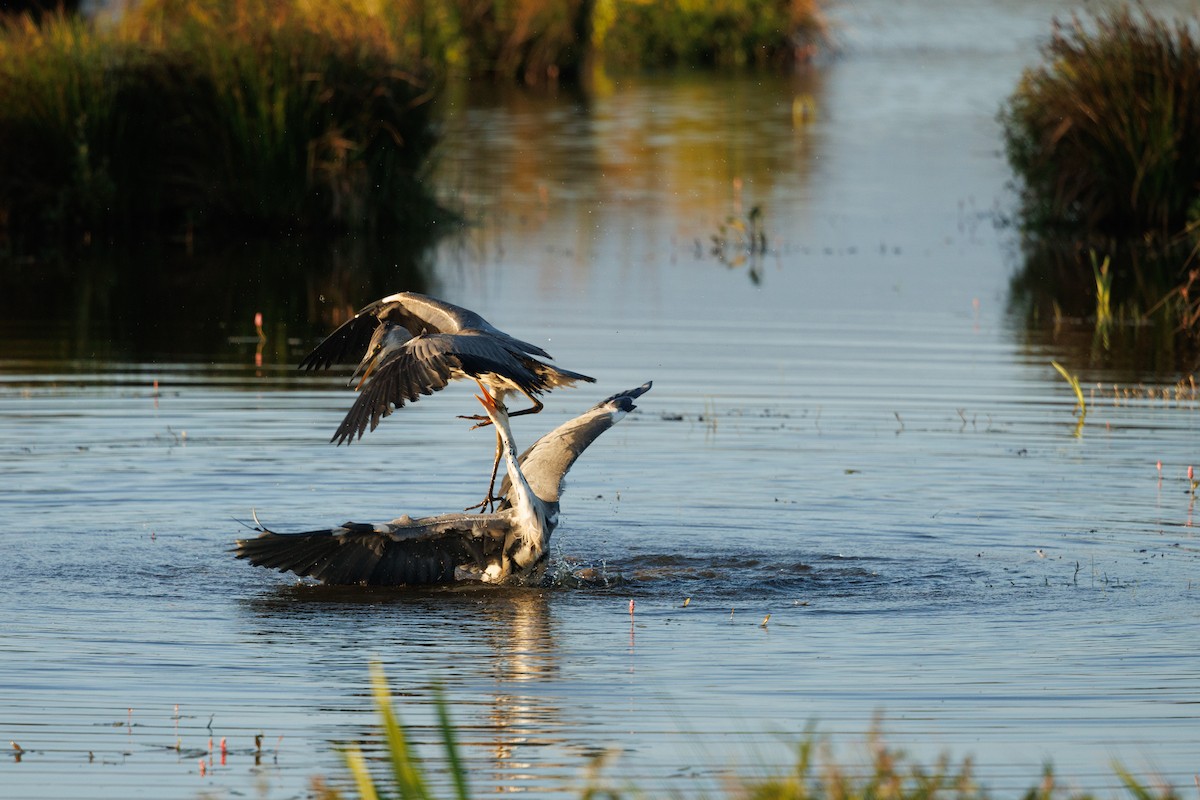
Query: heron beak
x=491 y=401
x=366 y=374
x=487 y=401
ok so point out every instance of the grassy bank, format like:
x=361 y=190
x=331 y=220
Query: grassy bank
x=887 y=773
x=185 y=116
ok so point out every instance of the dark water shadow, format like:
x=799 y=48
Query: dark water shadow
x=161 y=303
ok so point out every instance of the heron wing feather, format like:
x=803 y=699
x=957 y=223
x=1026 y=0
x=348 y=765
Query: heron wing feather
x=347 y=343
x=424 y=365
x=546 y=462
x=418 y=552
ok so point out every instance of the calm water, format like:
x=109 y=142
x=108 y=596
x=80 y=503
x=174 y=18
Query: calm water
x=849 y=433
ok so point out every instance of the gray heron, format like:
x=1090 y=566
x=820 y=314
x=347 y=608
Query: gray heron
x=508 y=545
x=413 y=344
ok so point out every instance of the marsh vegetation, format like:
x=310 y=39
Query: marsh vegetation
x=1104 y=137
x=866 y=445
x=183 y=117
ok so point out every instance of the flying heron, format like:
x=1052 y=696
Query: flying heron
x=415 y=345
x=508 y=545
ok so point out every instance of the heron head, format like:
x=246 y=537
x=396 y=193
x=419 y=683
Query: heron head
x=492 y=405
x=387 y=338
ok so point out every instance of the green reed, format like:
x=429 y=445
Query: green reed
x=1103 y=278
x=1105 y=135
x=1080 y=403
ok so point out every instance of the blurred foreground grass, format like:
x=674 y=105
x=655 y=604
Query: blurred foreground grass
x=889 y=774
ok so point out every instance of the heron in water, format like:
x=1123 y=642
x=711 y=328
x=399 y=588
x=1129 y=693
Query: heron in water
x=509 y=545
x=414 y=345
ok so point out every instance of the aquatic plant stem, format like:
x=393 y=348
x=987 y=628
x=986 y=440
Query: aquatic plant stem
x=1074 y=381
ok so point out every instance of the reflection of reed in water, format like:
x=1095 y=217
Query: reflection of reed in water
x=627 y=170
x=147 y=306
x=742 y=243
x=1113 y=308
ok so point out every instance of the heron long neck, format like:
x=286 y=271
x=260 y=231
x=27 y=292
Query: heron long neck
x=526 y=503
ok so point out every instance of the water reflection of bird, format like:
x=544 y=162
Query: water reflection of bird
x=508 y=545
x=415 y=345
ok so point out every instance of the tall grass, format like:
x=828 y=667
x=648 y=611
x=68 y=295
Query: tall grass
x=1105 y=135
x=283 y=116
x=57 y=126
x=888 y=774
x=720 y=32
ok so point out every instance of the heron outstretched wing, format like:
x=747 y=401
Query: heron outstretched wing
x=546 y=462
x=424 y=365
x=418 y=314
x=405 y=552
x=347 y=343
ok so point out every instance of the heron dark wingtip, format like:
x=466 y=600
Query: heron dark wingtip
x=345 y=434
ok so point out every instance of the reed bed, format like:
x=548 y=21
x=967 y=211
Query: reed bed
x=719 y=33
x=188 y=116
x=1105 y=136
x=288 y=116
x=540 y=41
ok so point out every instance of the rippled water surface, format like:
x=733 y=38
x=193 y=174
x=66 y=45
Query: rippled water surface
x=851 y=434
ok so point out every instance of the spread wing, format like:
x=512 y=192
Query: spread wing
x=405 y=552
x=424 y=365
x=548 y=460
x=421 y=313
x=347 y=343
x=417 y=313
